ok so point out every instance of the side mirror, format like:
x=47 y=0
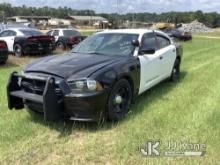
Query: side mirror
x=135 y=43
x=147 y=51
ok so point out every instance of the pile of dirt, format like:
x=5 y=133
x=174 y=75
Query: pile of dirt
x=195 y=27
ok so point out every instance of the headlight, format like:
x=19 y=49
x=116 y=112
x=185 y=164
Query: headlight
x=85 y=85
x=92 y=85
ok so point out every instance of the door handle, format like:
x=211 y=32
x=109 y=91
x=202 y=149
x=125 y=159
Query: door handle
x=161 y=57
x=174 y=50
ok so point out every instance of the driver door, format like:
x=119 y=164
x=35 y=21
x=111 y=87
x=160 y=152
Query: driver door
x=150 y=63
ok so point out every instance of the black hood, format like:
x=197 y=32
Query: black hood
x=72 y=64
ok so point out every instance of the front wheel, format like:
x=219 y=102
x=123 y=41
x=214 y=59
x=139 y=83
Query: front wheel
x=18 y=50
x=176 y=71
x=119 y=100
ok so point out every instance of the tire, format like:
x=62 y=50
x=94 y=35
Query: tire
x=2 y=62
x=18 y=50
x=175 y=71
x=60 y=45
x=119 y=100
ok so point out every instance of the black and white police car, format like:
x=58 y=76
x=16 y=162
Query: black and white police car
x=99 y=78
x=23 y=41
x=66 y=38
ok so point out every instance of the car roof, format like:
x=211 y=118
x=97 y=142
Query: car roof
x=128 y=31
x=133 y=31
x=16 y=29
x=62 y=29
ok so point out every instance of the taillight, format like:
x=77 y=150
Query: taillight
x=32 y=40
x=72 y=39
x=3 y=45
x=52 y=38
x=184 y=33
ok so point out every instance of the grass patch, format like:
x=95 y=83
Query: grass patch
x=88 y=32
x=186 y=111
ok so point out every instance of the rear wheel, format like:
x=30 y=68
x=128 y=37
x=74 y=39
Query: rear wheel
x=18 y=50
x=2 y=62
x=119 y=100
x=176 y=71
x=61 y=45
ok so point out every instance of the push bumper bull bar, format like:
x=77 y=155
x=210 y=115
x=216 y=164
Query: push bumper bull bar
x=52 y=107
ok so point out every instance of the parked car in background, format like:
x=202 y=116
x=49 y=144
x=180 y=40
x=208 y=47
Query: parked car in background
x=10 y=25
x=3 y=52
x=66 y=38
x=99 y=78
x=178 y=34
x=23 y=41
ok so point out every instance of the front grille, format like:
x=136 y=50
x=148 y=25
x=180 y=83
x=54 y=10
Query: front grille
x=33 y=86
x=37 y=87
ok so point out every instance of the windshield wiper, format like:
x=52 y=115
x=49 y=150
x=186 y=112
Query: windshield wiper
x=95 y=53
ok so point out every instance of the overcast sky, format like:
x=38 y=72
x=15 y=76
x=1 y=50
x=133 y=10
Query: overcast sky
x=125 y=6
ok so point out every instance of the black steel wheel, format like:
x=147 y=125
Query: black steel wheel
x=176 y=71
x=18 y=50
x=119 y=100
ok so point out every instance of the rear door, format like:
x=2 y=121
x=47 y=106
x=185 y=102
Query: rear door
x=150 y=63
x=168 y=55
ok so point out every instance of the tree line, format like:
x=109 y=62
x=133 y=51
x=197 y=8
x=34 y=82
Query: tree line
x=209 y=19
x=7 y=10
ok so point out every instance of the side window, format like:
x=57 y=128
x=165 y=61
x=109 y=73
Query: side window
x=162 y=41
x=4 y=34
x=12 y=33
x=56 y=33
x=149 y=41
x=50 y=33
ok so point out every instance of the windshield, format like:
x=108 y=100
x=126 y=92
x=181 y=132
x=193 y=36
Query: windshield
x=71 y=33
x=112 y=44
x=30 y=32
